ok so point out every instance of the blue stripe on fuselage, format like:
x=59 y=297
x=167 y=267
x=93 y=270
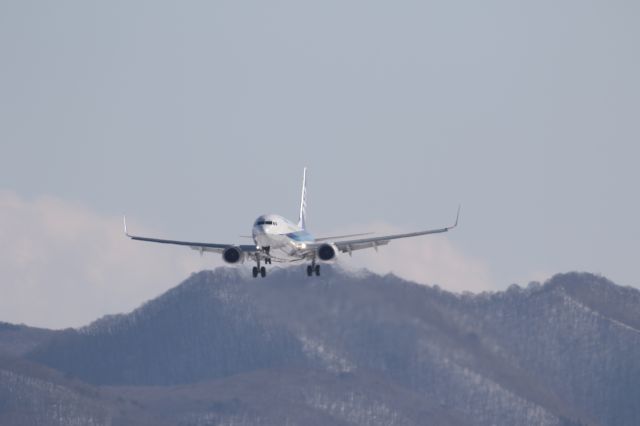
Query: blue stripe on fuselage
x=300 y=236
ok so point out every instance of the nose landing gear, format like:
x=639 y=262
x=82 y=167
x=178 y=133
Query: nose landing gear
x=260 y=270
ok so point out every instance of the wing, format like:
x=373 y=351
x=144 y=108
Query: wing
x=362 y=243
x=337 y=237
x=201 y=247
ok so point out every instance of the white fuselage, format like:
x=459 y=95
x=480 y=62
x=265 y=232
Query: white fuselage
x=278 y=233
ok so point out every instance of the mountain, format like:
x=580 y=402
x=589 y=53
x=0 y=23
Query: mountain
x=19 y=339
x=355 y=349
x=31 y=394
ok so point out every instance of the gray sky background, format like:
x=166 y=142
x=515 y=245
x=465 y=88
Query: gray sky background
x=195 y=117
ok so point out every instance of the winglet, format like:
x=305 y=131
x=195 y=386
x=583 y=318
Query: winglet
x=124 y=220
x=457 y=216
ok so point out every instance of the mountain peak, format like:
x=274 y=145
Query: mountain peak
x=519 y=355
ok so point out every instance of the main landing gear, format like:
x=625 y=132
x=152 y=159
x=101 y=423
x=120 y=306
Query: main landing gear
x=313 y=268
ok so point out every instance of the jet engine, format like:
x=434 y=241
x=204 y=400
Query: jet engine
x=233 y=255
x=328 y=252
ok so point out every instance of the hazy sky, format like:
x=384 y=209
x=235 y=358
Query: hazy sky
x=195 y=117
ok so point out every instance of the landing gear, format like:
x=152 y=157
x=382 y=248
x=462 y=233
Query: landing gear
x=313 y=268
x=260 y=270
x=267 y=260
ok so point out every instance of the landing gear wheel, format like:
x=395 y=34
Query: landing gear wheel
x=317 y=270
x=309 y=270
x=263 y=272
x=255 y=271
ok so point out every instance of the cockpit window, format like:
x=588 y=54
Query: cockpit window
x=266 y=222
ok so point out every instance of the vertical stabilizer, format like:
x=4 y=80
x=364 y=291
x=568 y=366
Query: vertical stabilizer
x=302 y=223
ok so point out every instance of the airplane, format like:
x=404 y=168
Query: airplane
x=277 y=239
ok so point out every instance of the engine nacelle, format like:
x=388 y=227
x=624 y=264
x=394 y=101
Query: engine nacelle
x=327 y=252
x=233 y=255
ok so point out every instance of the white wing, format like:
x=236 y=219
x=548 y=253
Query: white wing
x=201 y=247
x=347 y=246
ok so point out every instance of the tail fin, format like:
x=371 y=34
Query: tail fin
x=302 y=223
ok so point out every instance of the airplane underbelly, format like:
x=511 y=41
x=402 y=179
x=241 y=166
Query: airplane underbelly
x=280 y=245
x=275 y=242
x=287 y=247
